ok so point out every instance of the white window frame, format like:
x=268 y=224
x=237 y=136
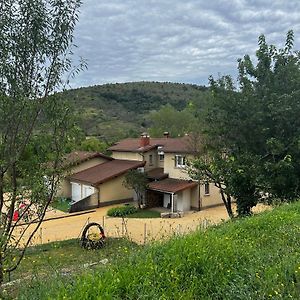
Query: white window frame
x=180 y=161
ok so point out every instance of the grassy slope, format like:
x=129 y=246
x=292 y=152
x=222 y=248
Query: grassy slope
x=114 y=111
x=253 y=258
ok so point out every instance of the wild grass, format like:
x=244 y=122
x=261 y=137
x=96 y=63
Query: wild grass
x=64 y=260
x=252 y=258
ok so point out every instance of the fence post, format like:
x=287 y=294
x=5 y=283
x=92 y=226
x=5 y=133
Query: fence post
x=145 y=233
x=41 y=235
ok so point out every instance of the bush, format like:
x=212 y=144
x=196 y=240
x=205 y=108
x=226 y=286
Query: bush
x=122 y=211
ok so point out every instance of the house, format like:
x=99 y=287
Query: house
x=93 y=179
x=165 y=164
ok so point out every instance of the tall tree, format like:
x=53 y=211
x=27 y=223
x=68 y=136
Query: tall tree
x=138 y=182
x=36 y=38
x=253 y=130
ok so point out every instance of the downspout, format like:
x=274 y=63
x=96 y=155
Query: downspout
x=199 y=195
x=98 y=196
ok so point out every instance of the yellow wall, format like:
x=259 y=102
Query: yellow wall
x=214 y=197
x=147 y=159
x=127 y=155
x=140 y=157
x=169 y=167
x=114 y=190
x=64 y=189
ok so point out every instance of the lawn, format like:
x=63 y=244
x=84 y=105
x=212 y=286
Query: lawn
x=68 y=258
x=144 y=213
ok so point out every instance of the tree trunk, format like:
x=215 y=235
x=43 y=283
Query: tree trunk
x=227 y=203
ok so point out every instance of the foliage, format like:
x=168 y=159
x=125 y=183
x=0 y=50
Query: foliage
x=35 y=128
x=115 y=111
x=252 y=133
x=122 y=211
x=249 y=258
x=168 y=119
x=93 y=144
x=137 y=181
x=61 y=203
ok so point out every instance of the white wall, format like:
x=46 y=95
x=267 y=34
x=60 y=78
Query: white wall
x=81 y=191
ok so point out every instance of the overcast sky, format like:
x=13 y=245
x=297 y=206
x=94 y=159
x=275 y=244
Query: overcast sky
x=176 y=40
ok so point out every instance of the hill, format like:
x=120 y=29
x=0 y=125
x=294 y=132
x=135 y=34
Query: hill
x=114 y=111
x=252 y=258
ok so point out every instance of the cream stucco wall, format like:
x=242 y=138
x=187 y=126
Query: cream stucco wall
x=113 y=190
x=64 y=189
x=140 y=157
x=174 y=172
x=127 y=155
x=213 y=198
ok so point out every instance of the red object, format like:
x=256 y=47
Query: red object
x=15 y=215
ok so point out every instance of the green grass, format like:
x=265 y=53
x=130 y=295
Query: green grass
x=143 y=213
x=62 y=204
x=253 y=258
x=53 y=259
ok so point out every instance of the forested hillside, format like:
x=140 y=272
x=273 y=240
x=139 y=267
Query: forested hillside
x=114 y=111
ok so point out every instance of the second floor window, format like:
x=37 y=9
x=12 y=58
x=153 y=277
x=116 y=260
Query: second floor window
x=179 y=161
x=161 y=157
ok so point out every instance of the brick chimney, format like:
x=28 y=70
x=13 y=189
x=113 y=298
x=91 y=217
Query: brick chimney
x=166 y=134
x=144 y=140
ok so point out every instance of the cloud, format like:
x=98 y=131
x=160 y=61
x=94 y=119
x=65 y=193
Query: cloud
x=180 y=41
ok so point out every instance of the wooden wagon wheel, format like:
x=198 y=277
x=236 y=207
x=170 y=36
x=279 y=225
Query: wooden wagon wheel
x=91 y=243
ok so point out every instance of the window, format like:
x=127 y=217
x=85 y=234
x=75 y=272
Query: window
x=150 y=160
x=179 y=161
x=206 y=188
x=161 y=157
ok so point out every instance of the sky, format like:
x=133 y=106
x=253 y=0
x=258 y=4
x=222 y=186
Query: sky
x=176 y=40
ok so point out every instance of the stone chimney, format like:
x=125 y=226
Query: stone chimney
x=166 y=134
x=144 y=140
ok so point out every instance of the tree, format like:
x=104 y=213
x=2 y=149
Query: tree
x=253 y=131
x=35 y=123
x=167 y=118
x=93 y=144
x=138 y=182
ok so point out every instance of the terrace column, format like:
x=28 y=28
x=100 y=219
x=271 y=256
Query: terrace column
x=172 y=203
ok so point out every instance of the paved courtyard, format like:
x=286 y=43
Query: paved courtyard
x=138 y=230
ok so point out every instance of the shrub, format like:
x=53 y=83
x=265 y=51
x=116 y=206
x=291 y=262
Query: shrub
x=122 y=211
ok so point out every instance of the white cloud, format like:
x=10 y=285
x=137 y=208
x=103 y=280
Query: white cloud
x=174 y=40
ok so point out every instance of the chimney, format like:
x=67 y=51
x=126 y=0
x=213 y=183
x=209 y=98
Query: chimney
x=166 y=134
x=144 y=140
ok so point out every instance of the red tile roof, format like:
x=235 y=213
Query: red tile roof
x=157 y=173
x=171 y=145
x=171 y=185
x=106 y=171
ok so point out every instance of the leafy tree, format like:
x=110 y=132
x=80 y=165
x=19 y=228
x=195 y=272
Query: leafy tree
x=93 y=144
x=35 y=123
x=138 y=182
x=252 y=132
x=169 y=119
